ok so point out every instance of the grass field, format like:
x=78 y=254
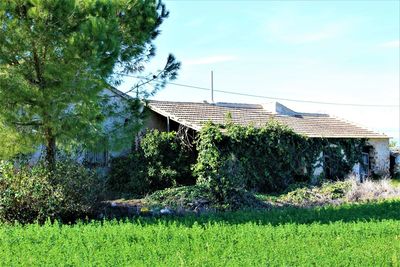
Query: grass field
x=356 y=235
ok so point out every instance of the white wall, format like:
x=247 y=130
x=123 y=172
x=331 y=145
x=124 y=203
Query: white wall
x=319 y=166
x=380 y=156
x=119 y=105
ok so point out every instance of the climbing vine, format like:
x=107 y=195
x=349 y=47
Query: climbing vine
x=267 y=159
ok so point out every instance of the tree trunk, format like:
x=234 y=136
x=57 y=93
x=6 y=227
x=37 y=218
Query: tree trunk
x=50 y=149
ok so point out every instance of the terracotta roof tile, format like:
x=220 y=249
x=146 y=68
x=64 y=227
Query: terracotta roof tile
x=194 y=115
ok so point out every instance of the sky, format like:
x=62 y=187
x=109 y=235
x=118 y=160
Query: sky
x=329 y=51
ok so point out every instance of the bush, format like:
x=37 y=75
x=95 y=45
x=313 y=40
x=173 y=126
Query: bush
x=32 y=194
x=162 y=161
x=27 y=194
x=128 y=175
x=188 y=197
x=81 y=189
x=262 y=159
x=267 y=159
x=327 y=193
x=199 y=197
x=168 y=160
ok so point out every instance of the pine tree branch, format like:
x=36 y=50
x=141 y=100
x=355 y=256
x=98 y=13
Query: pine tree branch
x=30 y=123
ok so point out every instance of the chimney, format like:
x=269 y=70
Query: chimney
x=279 y=109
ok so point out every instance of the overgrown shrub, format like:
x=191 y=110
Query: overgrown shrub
x=128 y=175
x=27 y=194
x=267 y=159
x=161 y=161
x=306 y=195
x=200 y=198
x=33 y=193
x=187 y=197
x=81 y=189
x=263 y=159
x=168 y=159
x=340 y=155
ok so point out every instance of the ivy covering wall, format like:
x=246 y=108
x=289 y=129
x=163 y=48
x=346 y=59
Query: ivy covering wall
x=267 y=159
x=229 y=158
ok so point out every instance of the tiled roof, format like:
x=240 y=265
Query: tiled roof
x=194 y=115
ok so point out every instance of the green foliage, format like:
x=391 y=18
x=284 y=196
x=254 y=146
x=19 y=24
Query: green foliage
x=81 y=189
x=180 y=197
x=27 y=194
x=266 y=159
x=263 y=159
x=168 y=159
x=200 y=198
x=161 y=161
x=393 y=144
x=340 y=155
x=13 y=142
x=57 y=56
x=33 y=193
x=349 y=235
x=128 y=175
x=327 y=193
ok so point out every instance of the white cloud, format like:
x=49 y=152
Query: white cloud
x=391 y=44
x=292 y=27
x=209 y=60
x=325 y=32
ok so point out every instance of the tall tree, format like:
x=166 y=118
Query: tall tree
x=56 y=57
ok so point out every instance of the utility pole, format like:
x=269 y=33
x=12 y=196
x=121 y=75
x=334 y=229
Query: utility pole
x=212 y=87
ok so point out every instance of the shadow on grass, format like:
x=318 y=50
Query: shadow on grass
x=373 y=211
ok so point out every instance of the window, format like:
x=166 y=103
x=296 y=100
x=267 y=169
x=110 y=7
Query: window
x=364 y=166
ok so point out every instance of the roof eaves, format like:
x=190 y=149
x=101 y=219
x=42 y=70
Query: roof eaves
x=347 y=136
x=375 y=134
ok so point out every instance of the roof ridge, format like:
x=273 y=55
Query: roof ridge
x=180 y=102
x=319 y=125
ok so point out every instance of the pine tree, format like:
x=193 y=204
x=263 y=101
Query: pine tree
x=56 y=57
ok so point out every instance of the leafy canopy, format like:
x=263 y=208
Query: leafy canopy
x=56 y=56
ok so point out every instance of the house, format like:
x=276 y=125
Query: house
x=190 y=116
x=169 y=115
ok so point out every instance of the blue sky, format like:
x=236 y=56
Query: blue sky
x=331 y=51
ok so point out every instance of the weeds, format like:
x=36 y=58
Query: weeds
x=339 y=192
x=372 y=190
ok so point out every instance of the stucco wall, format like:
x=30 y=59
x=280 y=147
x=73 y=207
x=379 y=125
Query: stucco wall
x=356 y=171
x=380 y=156
x=319 y=166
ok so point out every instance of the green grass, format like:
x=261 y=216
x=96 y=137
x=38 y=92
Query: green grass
x=356 y=235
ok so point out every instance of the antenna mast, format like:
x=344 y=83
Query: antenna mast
x=212 y=87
